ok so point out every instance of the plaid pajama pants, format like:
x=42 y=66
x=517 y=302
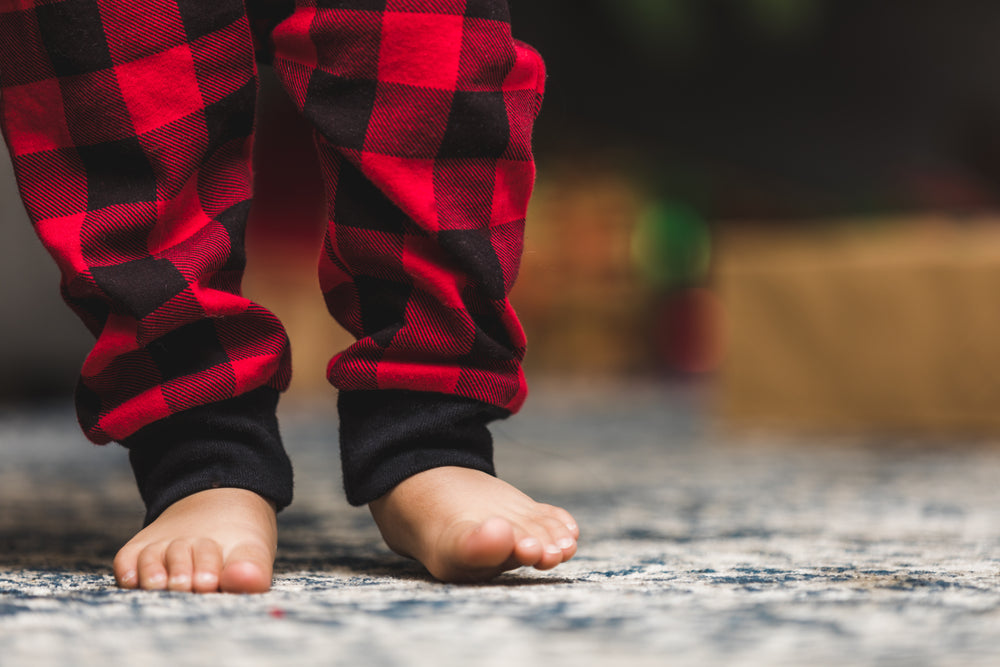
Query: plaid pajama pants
x=130 y=124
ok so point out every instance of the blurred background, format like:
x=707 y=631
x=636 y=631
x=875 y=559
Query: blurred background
x=788 y=206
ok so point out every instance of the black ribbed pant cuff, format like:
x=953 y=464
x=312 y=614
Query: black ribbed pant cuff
x=388 y=436
x=233 y=443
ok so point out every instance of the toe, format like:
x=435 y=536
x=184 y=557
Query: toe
x=568 y=546
x=179 y=560
x=560 y=535
x=566 y=519
x=558 y=544
x=486 y=545
x=246 y=569
x=207 y=566
x=471 y=551
x=151 y=571
x=126 y=567
x=528 y=550
x=552 y=555
x=565 y=540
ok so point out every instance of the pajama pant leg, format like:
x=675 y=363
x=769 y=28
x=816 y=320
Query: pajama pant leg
x=423 y=112
x=129 y=123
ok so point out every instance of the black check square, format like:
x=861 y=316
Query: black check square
x=142 y=285
x=234 y=220
x=202 y=18
x=92 y=310
x=494 y=10
x=477 y=126
x=340 y=107
x=118 y=172
x=95 y=108
x=88 y=406
x=24 y=60
x=359 y=203
x=231 y=118
x=360 y=5
x=472 y=250
x=447 y=7
x=383 y=307
x=188 y=350
x=408 y=121
x=491 y=341
x=73 y=35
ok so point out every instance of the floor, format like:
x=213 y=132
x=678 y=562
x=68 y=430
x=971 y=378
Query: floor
x=700 y=547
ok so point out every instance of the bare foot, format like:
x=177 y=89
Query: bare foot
x=464 y=525
x=216 y=540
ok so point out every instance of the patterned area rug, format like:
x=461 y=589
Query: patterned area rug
x=699 y=548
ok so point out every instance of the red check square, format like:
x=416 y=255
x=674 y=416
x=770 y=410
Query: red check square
x=421 y=50
x=512 y=189
x=160 y=89
x=409 y=184
x=177 y=220
x=145 y=408
x=287 y=37
x=62 y=237
x=397 y=370
x=34 y=118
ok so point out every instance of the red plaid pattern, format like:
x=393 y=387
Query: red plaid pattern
x=130 y=123
x=423 y=113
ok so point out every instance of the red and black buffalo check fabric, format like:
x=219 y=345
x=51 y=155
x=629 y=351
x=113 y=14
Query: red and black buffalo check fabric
x=130 y=124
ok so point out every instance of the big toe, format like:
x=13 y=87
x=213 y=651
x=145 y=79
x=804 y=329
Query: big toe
x=247 y=569
x=474 y=551
x=489 y=544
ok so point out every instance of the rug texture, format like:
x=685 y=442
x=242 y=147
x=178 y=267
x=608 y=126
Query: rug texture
x=698 y=548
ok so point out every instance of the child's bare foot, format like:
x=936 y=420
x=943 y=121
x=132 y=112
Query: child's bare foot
x=215 y=540
x=465 y=525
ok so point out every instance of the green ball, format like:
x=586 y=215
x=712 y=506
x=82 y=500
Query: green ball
x=671 y=246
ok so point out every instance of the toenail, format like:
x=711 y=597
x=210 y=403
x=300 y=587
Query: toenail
x=156 y=580
x=180 y=579
x=529 y=543
x=552 y=549
x=566 y=543
x=205 y=578
x=128 y=577
x=572 y=527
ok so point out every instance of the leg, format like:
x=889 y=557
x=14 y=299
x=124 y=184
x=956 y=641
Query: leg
x=423 y=114
x=129 y=125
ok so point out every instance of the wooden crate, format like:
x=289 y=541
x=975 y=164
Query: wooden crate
x=862 y=326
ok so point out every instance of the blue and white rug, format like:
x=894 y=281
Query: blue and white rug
x=698 y=549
